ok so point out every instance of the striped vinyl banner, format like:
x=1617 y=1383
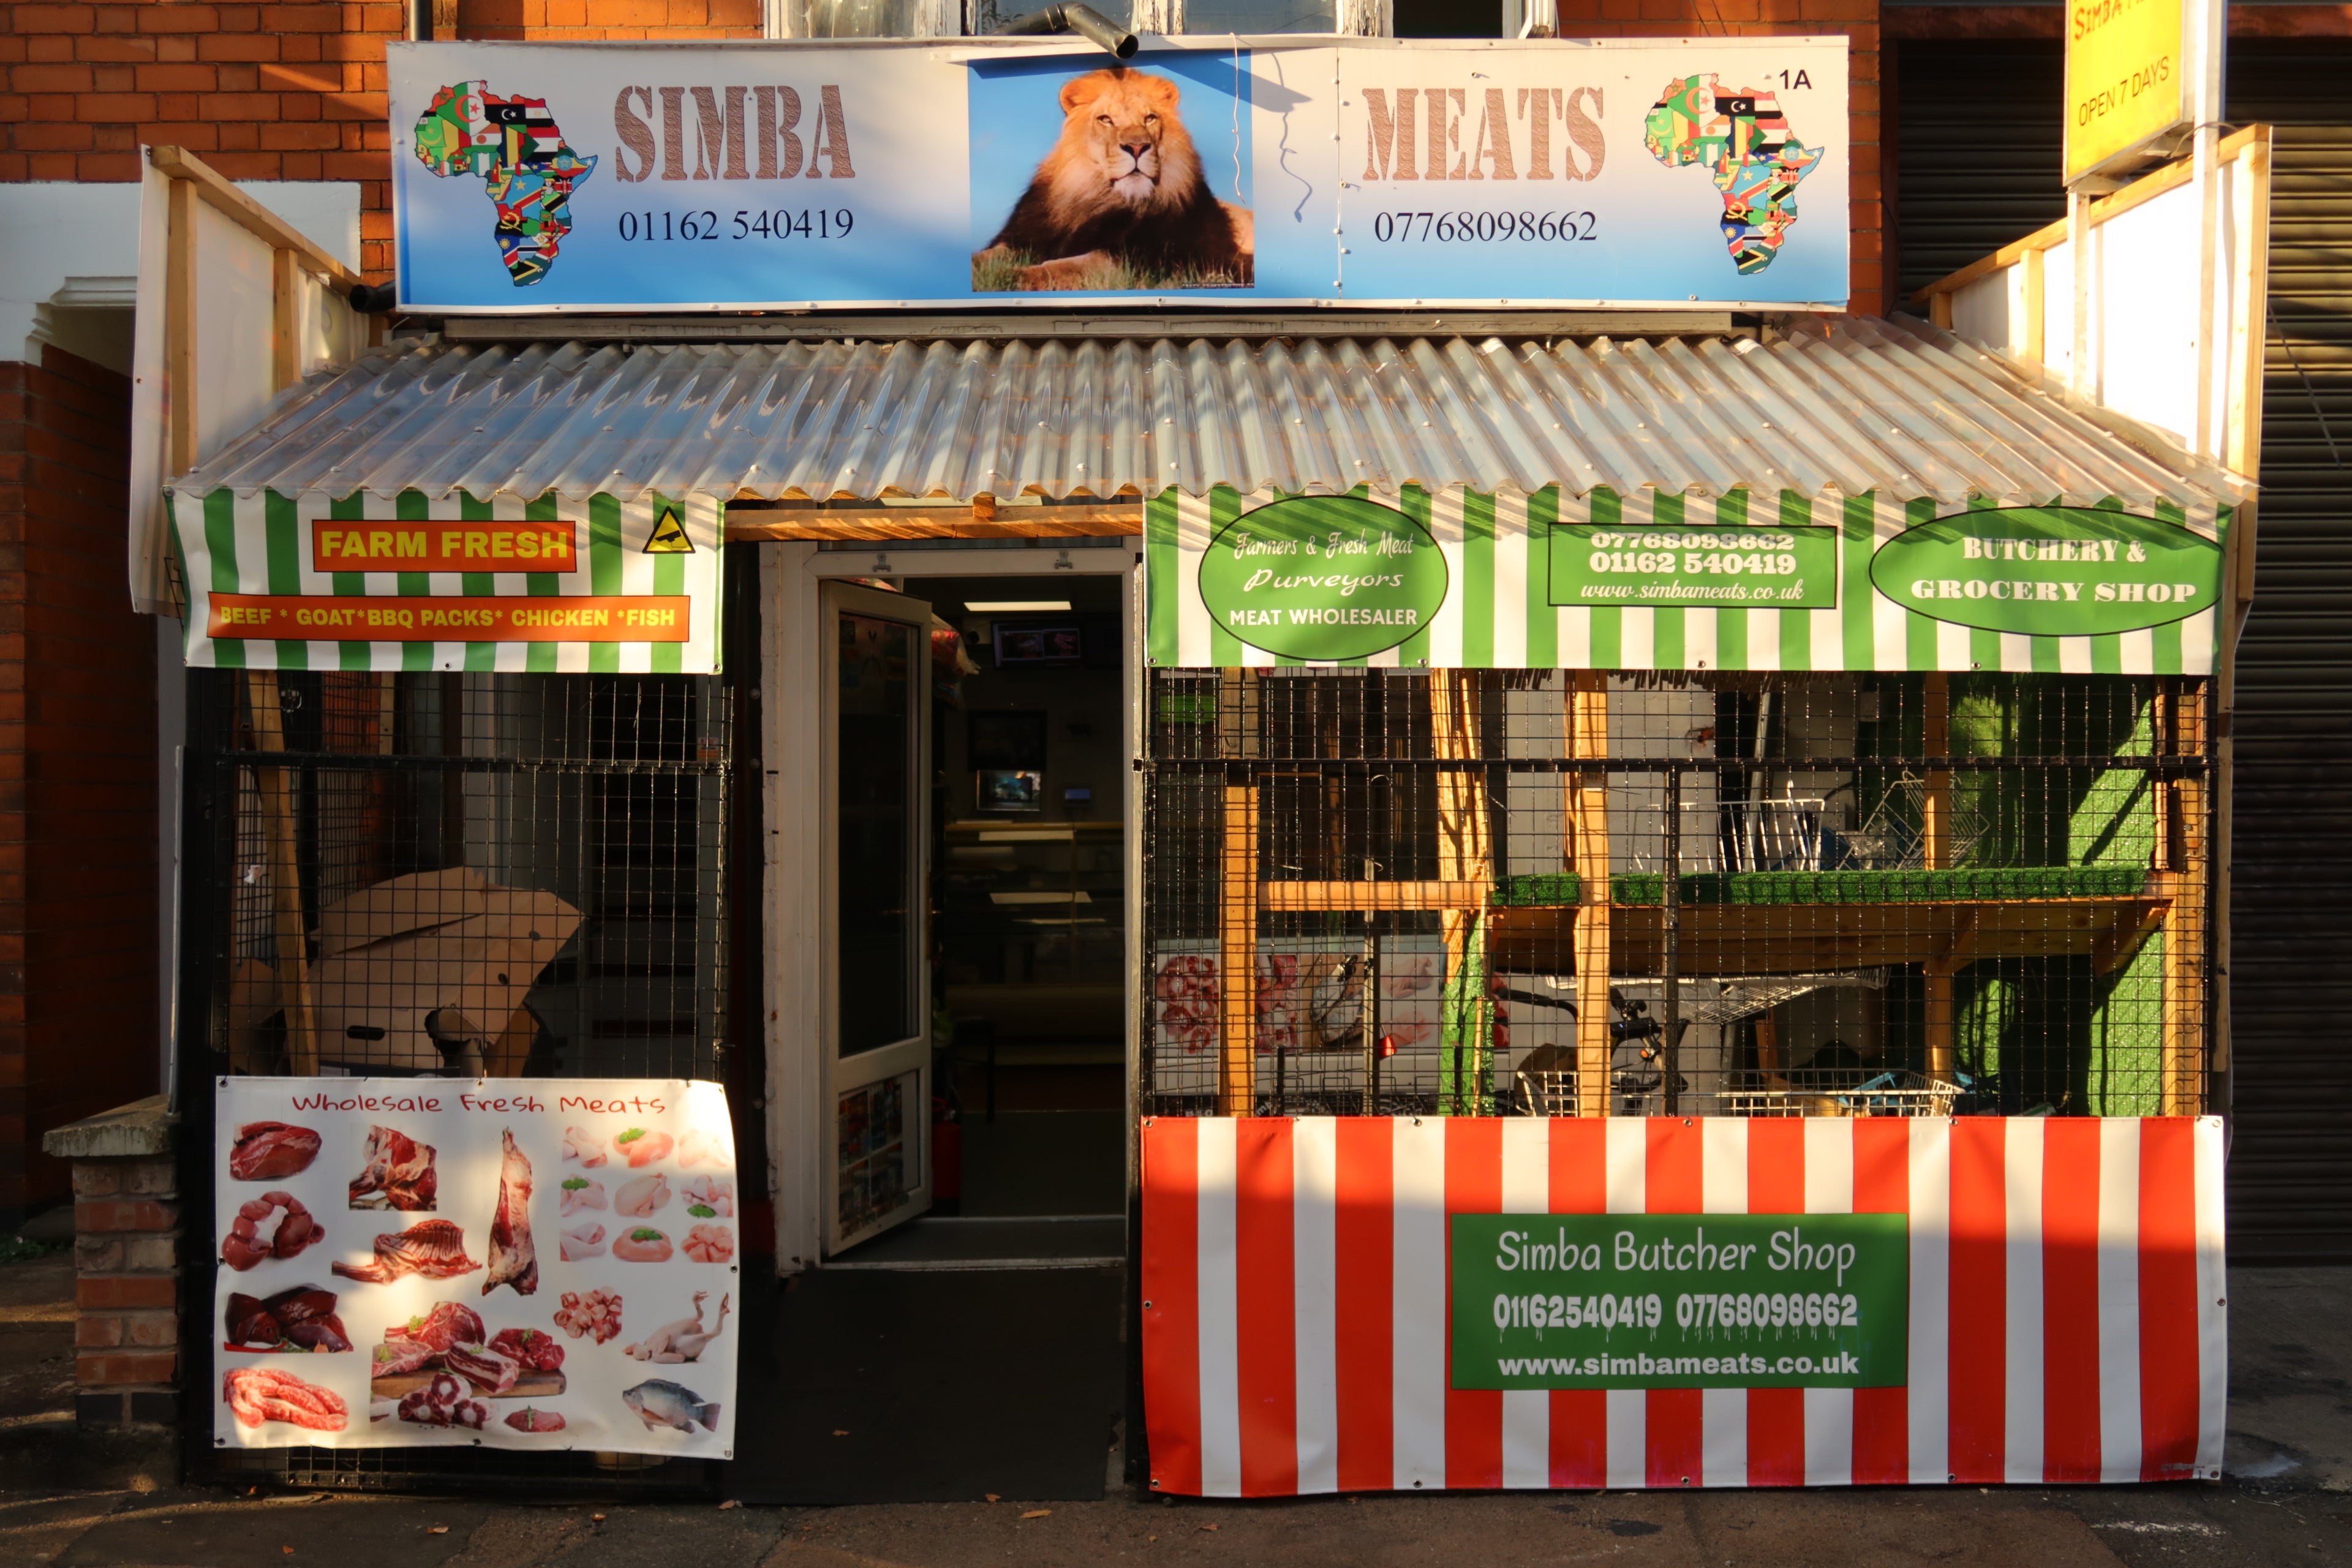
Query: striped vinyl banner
x=1498 y=612
x=260 y=544
x=2066 y=1320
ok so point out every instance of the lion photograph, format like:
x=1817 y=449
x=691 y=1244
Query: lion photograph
x=1122 y=201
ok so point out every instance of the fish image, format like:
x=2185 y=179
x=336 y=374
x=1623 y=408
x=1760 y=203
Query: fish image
x=663 y=1404
x=514 y=1260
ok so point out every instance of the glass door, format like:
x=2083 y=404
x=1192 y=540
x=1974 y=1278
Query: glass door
x=876 y=725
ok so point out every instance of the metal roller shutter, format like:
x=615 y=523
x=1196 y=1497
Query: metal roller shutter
x=1977 y=167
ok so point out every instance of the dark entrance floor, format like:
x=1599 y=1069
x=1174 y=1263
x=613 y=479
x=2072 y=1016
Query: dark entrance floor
x=920 y=1386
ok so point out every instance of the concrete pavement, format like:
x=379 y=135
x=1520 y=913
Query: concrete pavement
x=2288 y=1499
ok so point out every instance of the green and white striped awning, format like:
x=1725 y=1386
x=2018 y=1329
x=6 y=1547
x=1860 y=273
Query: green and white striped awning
x=1500 y=609
x=631 y=599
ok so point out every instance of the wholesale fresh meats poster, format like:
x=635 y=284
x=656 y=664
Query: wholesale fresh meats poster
x=541 y=1263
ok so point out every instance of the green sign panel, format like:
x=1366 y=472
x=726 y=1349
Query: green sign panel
x=1729 y=568
x=1323 y=578
x=2058 y=571
x=1718 y=1300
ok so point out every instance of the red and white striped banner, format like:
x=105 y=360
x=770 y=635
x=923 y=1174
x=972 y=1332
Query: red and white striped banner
x=2066 y=1320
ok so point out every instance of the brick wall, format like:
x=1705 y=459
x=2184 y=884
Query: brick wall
x=126 y=1289
x=261 y=91
x=77 y=960
x=297 y=91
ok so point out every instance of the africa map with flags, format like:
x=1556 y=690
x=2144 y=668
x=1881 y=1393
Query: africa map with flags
x=515 y=147
x=1743 y=141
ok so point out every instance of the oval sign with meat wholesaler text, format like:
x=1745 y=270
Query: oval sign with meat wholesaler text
x=1323 y=578
x=2054 y=571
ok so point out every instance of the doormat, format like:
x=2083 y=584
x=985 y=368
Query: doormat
x=864 y=1387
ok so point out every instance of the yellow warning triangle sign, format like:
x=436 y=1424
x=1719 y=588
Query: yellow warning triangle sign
x=668 y=537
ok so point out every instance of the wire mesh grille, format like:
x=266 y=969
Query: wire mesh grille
x=462 y=875
x=1382 y=891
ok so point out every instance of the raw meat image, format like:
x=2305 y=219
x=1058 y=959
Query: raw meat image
x=700 y=1145
x=711 y=1244
x=660 y=1403
x=298 y=1319
x=419 y=1344
x=398 y=1174
x=643 y=1245
x=710 y=1197
x=640 y=1198
x=531 y=1349
x=582 y=1242
x=440 y=1402
x=513 y=1260
x=581 y=1193
x=433 y=1248
x=531 y=1419
x=259 y=1394
x=244 y=1246
x=582 y=1145
x=682 y=1341
x=490 y=1372
x=641 y=1148
x=265 y=1151
x=597 y=1312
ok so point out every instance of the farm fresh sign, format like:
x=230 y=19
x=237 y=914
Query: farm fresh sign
x=544 y=177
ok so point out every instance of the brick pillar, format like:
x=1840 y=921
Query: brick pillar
x=126 y=1264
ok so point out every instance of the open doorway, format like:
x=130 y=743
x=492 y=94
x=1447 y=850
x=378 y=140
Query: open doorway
x=1027 y=948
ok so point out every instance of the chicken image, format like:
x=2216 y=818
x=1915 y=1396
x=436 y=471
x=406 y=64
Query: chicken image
x=682 y=1341
x=582 y=1145
x=640 y=1198
x=582 y=1242
x=580 y=1193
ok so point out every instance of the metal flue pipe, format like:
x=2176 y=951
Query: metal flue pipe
x=1083 y=20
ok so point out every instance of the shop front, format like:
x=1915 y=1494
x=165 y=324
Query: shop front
x=1256 y=832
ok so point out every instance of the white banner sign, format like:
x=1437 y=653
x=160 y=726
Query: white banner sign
x=543 y=1263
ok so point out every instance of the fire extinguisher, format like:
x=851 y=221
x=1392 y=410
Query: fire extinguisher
x=947 y=1158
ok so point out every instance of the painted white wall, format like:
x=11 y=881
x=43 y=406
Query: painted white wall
x=69 y=257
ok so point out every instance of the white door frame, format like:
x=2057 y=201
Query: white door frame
x=788 y=685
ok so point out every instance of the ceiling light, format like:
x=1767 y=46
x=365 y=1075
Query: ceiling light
x=1013 y=606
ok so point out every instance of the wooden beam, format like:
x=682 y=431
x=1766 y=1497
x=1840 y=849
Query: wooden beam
x=1123 y=520
x=1586 y=820
x=2122 y=944
x=1959 y=950
x=1767 y=1049
x=180 y=325
x=285 y=321
x=1942 y=1059
x=2036 y=333
x=2171 y=177
x=1935 y=804
x=1237 y=957
x=185 y=168
x=290 y=930
x=1465 y=853
x=2186 y=926
x=1306 y=896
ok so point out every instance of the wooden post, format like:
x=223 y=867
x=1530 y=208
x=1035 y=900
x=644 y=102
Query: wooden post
x=180 y=325
x=285 y=319
x=1464 y=854
x=1943 y=1061
x=1936 y=741
x=2186 y=922
x=285 y=876
x=1237 y=957
x=1767 y=1049
x=1587 y=810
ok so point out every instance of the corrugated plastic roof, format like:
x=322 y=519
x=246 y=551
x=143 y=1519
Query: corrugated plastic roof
x=1846 y=406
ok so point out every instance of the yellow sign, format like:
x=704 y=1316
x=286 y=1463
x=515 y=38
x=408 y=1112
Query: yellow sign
x=2128 y=78
x=668 y=537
